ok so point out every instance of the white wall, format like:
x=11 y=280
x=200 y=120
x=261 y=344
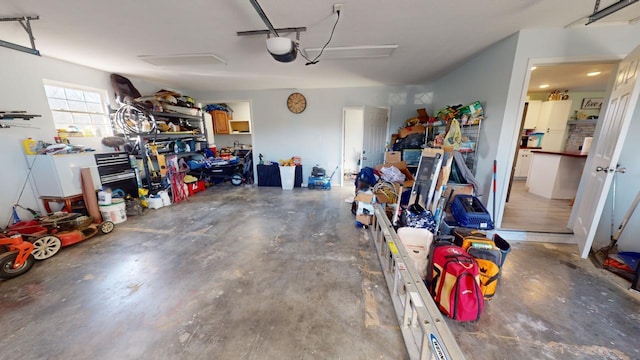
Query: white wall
x=484 y=78
x=499 y=85
x=21 y=88
x=316 y=134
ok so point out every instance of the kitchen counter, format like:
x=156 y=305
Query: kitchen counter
x=563 y=153
x=555 y=175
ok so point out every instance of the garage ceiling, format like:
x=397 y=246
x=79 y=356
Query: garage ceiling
x=433 y=36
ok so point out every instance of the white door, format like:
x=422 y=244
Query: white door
x=622 y=104
x=374 y=135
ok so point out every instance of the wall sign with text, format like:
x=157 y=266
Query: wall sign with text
x=591 y=103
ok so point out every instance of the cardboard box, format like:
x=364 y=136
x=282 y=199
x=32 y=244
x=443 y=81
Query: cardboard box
x=365 y=203
x=392 y=156
x=364 y=219
x=402 y=166
x=416 y=129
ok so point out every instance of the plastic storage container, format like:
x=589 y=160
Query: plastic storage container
x=287 y=177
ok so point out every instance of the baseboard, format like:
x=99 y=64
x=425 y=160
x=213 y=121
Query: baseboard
x=516 y=235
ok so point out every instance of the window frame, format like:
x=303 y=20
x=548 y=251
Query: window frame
x=83 y=119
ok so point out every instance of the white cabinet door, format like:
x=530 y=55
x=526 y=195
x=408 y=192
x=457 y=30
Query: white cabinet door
x=553 y=115
x=554 y=141
x=524 y=161
x=532 y=115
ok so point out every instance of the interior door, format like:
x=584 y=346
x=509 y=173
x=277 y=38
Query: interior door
x=622 y=104
x=375 y=121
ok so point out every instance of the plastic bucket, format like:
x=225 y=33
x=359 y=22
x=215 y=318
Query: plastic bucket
x=287 y=177
x=116 y=212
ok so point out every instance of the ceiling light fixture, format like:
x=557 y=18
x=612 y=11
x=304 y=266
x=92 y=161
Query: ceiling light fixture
x=544 y=86
x=182 y=59
x=594 y=73
x=352 y=52
x=599 y=14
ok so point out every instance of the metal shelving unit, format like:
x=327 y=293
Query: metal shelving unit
x=140 y=140
x=469 y=148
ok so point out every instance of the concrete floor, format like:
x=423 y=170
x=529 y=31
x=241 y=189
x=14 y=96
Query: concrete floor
x=262 y=273
x=234 y=273
x=551 y=304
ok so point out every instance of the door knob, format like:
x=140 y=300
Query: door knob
x=621 y=170
x=600 y=168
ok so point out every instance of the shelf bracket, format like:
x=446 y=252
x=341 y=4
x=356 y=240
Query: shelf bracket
x=25 y=22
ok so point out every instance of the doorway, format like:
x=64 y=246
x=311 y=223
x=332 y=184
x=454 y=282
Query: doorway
x=526 y=211
x=364 y=135
x=353 y=126
x=231 y=131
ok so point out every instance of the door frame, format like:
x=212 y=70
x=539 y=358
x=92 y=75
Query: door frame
x=344 y=109
x=342 y=148
x=523 y=97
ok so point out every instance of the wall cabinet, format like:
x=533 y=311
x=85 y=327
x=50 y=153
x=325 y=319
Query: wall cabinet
x=523 y=163
x=220 y=122
x=239 y=127
x=532 y=113
x=554 y=115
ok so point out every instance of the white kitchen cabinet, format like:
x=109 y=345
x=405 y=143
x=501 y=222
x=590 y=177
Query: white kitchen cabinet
x=532 y=114
x=523 y=163
x=59 y=175
x=554 y=115
x=552 y=122
x=554 y=140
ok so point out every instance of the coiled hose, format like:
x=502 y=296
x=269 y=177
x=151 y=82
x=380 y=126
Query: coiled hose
x=387 y=189
x=134 y=119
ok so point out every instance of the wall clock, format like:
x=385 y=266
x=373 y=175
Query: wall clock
x=296 y=103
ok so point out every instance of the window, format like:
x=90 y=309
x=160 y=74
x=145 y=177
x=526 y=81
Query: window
x=78 y=110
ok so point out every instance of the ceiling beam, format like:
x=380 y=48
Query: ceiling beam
x=25 y=22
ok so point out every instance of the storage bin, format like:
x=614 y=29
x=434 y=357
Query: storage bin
x=195 y=187
x=155 y=202
x=503 y=245
x=447 y=225
x=469 y=212
x=116 y=212
x=287 y=177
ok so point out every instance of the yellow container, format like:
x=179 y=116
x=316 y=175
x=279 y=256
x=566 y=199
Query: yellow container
x=30 y=146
